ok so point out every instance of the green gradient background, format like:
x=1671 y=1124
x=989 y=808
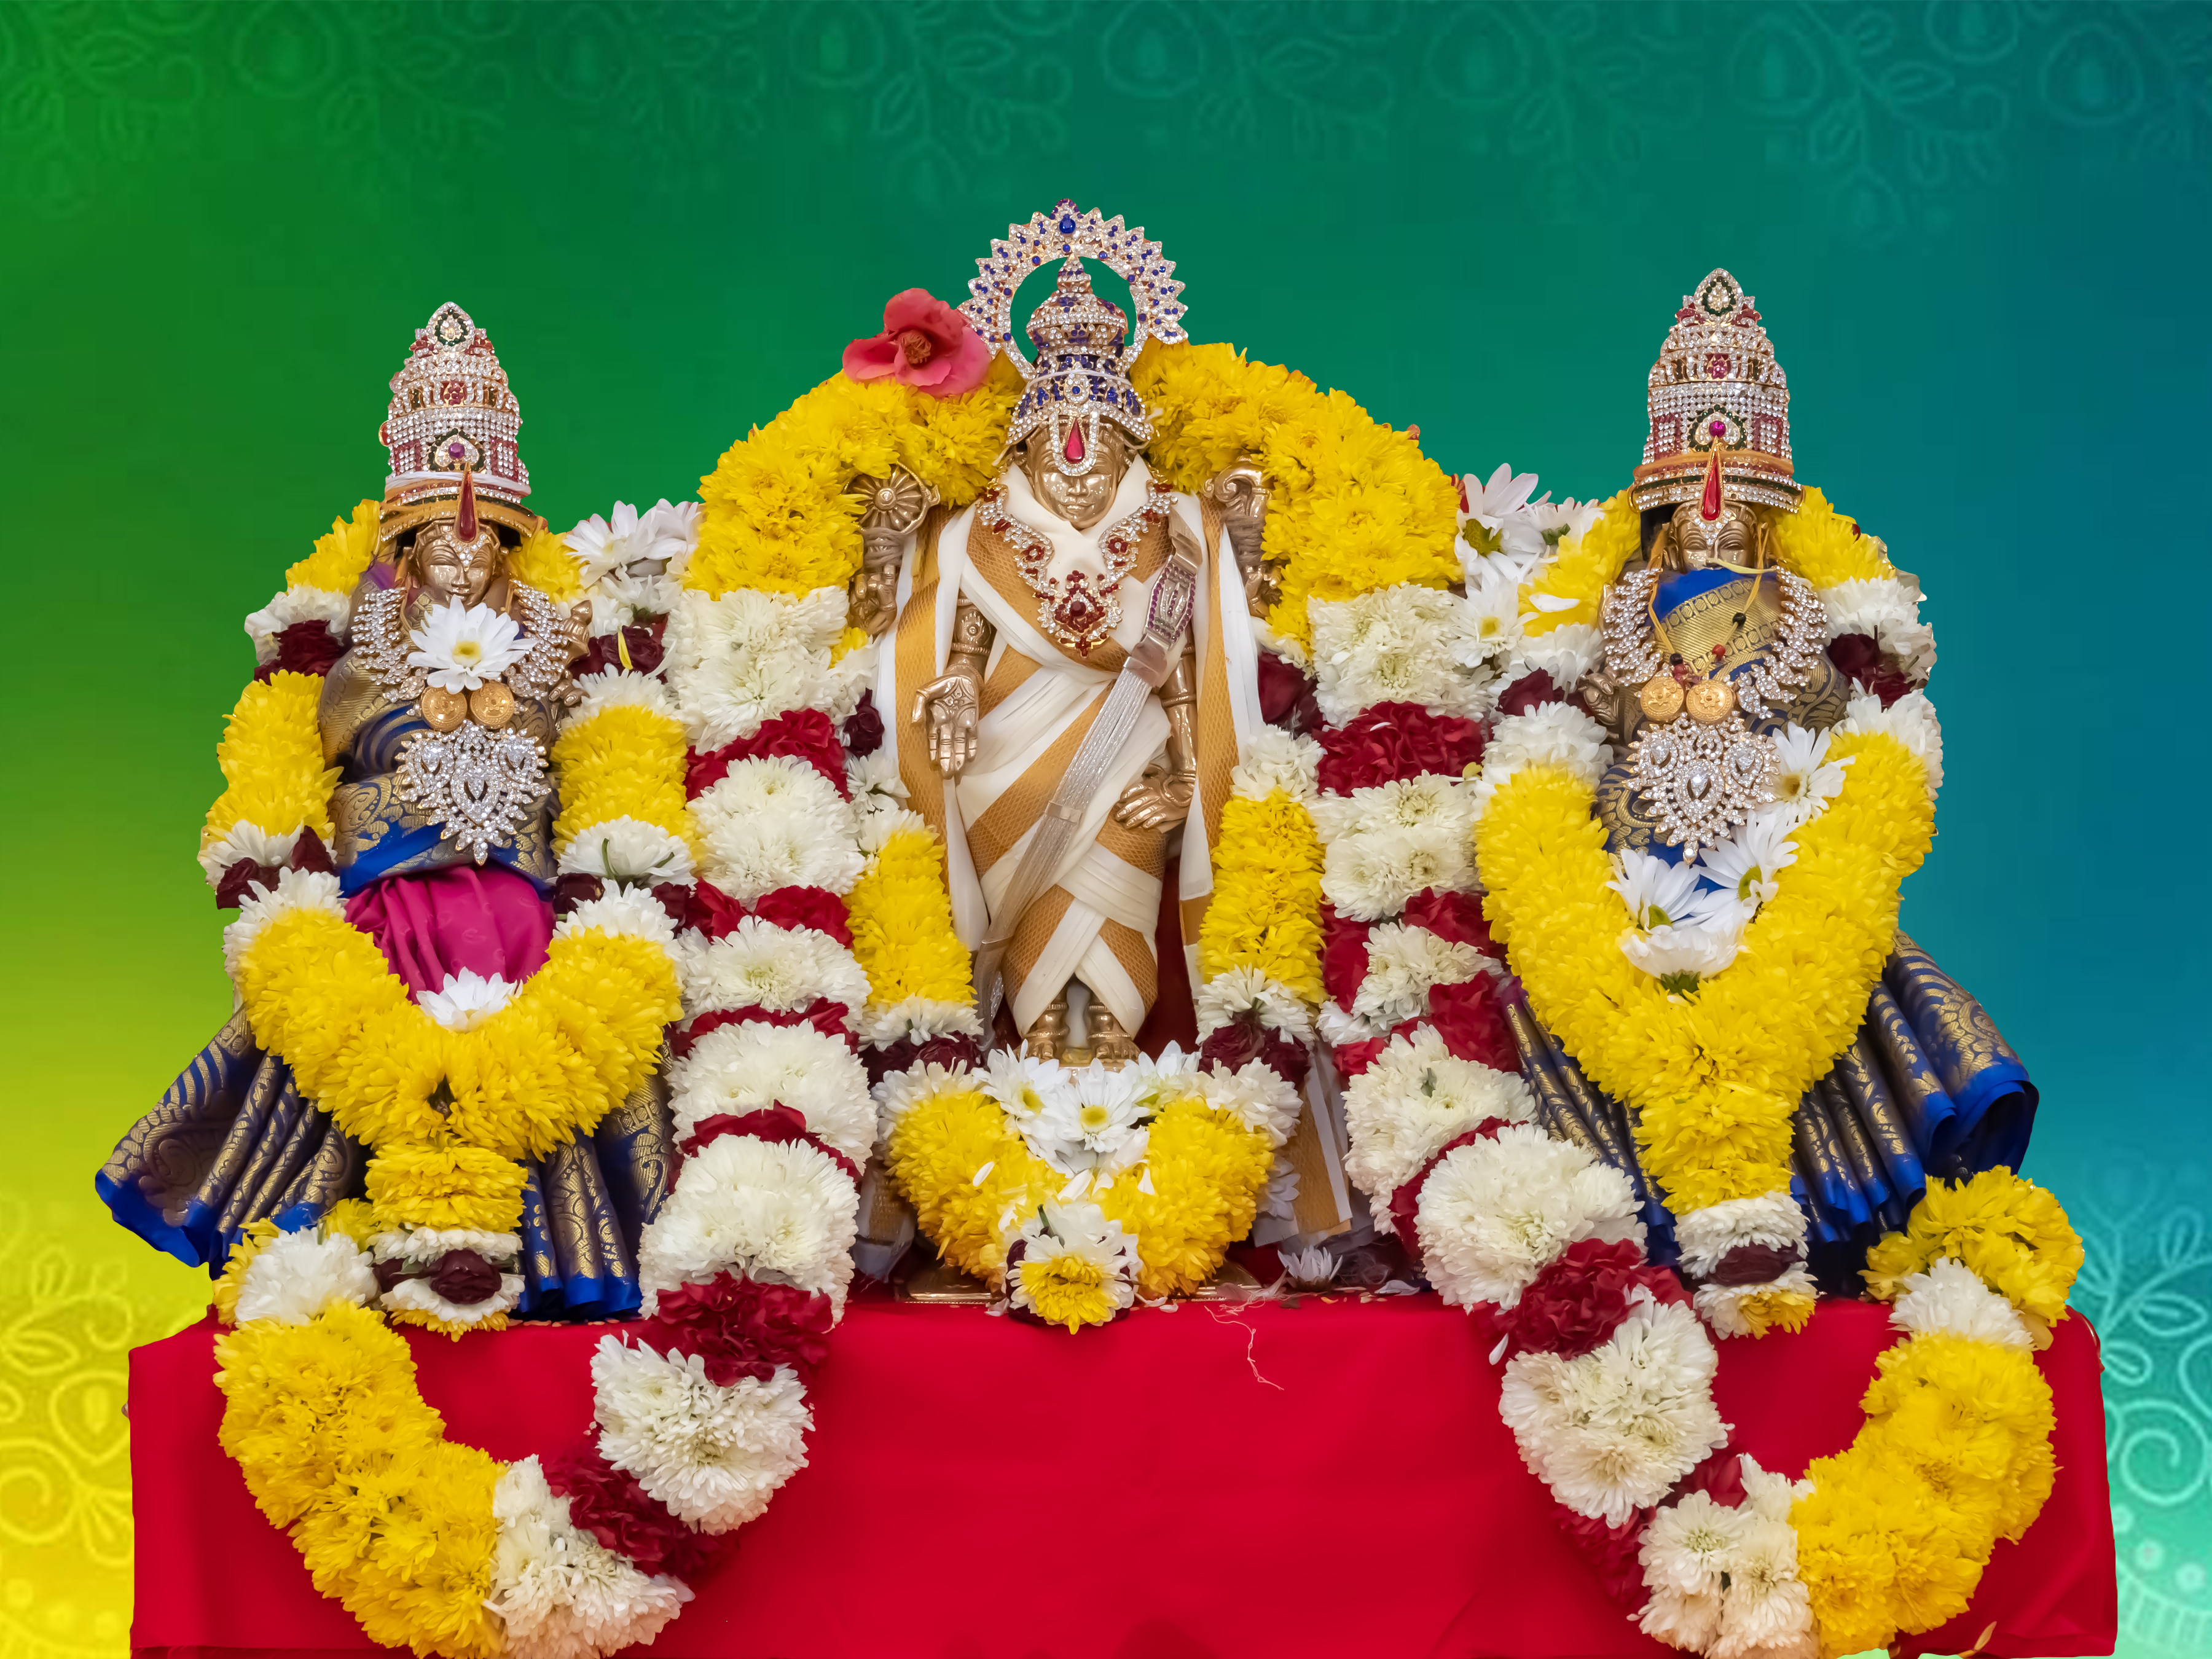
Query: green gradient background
x=1978 y=234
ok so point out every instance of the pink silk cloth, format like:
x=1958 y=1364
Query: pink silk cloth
x=429 y=927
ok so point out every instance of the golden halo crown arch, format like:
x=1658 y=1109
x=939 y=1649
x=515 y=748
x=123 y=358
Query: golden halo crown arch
x=1157 y=310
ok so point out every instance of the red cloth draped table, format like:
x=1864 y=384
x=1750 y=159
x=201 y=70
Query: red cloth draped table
x=1329 y=1479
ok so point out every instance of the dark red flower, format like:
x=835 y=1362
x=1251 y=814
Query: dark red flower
x=1471 y=1019
x=953 y=1050
x=239 y=880
x=1578 y=1301
x=308 y=647
x=926 y=344
x=645 y=641
x=1528 y=694
x=1720 y=1477
x=464 y=1278
x=804 y=734
x=778 y=1124
x=1343 y=956
x=1244 y=1040
x=575 y=889
x=1405 y=1200
x=1611 y=1551
x=675 y=898
x=714 y=913
x=309 y=853
x=1396 y=740
x=612 y=1507
x=1860 y=659
x=741 y=1328
x=864 y=727
x=1286 y=695
x=1752 y=1264
x=830 y=1019
x=1455 y=916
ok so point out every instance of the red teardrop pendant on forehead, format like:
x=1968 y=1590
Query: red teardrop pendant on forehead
x=1074 y=449
x=1709 y=508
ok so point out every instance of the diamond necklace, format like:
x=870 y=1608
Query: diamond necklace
x=1078 y=610
x=1704 y=776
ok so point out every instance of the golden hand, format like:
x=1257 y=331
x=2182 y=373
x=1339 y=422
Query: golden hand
x=950 y=705
x=1158 y=800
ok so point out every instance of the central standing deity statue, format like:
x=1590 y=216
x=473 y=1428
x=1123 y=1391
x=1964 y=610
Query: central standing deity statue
x=1056 y=722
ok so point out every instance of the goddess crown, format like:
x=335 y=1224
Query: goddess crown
x=1717 y=389
x=452 y=416
x=1084 y=344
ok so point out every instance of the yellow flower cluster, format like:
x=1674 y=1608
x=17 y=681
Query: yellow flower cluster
x=445 y=1185
x=1352 y=506
x=341 y=558
x=1714 y=1075
x=623 y=762
x=337 y=1444
x=2011 y=1232
x=973 y=1182
x=902 y=920
x=579 y=1036
x=545 y=562
x=271 y=755
x=1266 y=911
x=1586 y=567
x=779 y=513
x=1207 y=1173
x=1824 y=547
x=1066 y=1288
x=1955 y=1453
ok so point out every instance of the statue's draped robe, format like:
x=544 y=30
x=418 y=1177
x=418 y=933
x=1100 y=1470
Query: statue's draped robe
x=1097 y=920
x=233 y=1141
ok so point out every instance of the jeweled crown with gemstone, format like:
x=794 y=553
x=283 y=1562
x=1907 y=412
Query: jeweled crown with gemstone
x=1717 y=386
x=451 y=406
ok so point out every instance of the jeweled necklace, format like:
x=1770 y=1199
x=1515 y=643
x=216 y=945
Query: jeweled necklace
x=1704 y=776
x=1077 y=610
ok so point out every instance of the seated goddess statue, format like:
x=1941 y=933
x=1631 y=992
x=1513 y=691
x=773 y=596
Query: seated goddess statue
x=1724 y=671
x=435 y=720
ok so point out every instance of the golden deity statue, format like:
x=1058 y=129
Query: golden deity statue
x=1069 y=655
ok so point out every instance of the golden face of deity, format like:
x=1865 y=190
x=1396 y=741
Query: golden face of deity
x=1083 y=498
x=448 y=568
x=1690 y=541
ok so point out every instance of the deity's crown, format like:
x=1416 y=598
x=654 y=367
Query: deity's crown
x=1084 y=344
x=452 y=411
x=1716 y=388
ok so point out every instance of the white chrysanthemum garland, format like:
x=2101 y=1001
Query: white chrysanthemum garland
x=700 y=1410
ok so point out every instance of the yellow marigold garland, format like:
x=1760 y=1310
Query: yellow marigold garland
x=1586 y=567
x=544 y=562
x=1955 y=1453
x=901 y=916
x=341 y=558
x=2011 y=1232
x=966 y=1171
x=337 y=1446
x=625 y=761
x=1715 y=1076
x=1826 y=547
x=581 y=1034
x=1265 y=910
x=1352 y=506
x=778 y=514
x=271 y=756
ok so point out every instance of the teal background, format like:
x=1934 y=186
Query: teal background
x=1978 y=234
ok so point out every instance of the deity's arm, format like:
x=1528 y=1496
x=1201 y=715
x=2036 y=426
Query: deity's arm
x=1161 y=798
x=950 y=705
x=1240 y=492
x=896 y=507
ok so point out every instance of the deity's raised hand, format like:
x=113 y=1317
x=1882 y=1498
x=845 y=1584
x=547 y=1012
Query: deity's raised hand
x=950 y=705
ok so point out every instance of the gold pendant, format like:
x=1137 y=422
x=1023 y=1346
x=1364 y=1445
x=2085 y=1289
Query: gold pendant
x=1660 y=699
x=1710 y=701
x=492 y=704
x=442 y=710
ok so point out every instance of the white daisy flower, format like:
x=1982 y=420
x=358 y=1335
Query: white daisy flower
x=1024 y=1088
x=1805 y=780
x=1091 y=1116
x=1748 y=865
x=1658 y=893
x=1700 y=948
x=463 y=646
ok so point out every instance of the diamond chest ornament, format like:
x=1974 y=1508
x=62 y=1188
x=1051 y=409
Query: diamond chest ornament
x=1701 y=780
x=479 y=787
